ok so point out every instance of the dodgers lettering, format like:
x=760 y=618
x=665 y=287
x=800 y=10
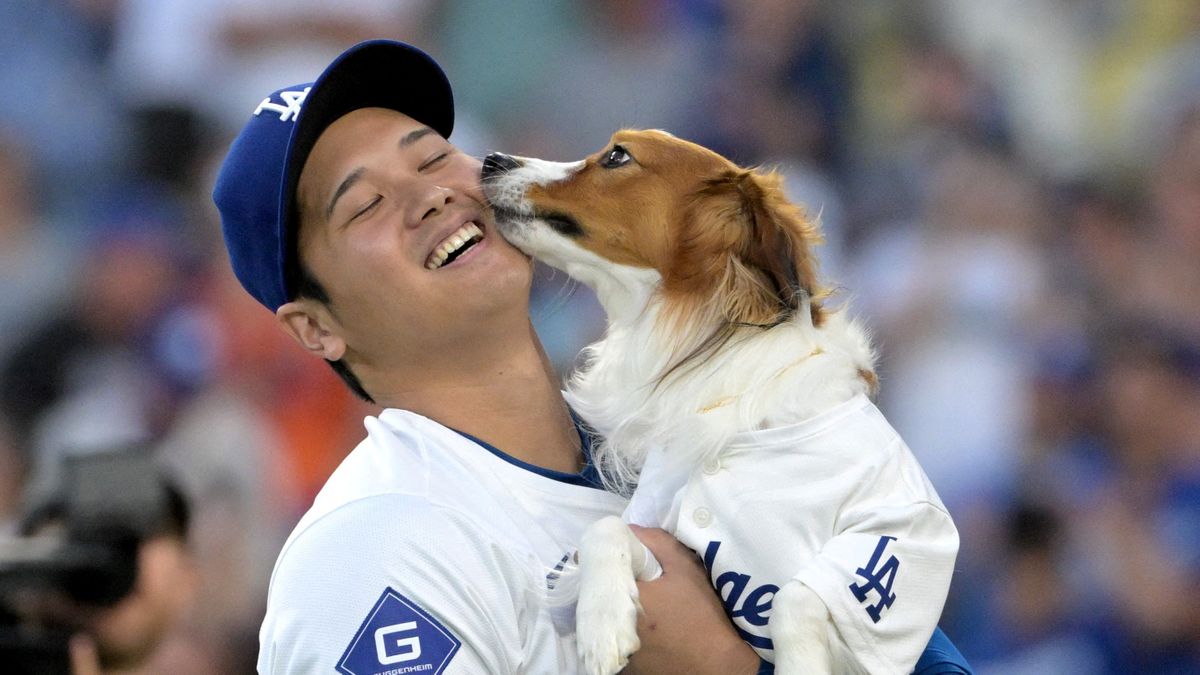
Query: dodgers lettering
x=755 y=607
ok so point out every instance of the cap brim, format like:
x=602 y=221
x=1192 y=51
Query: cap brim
x=373 y=74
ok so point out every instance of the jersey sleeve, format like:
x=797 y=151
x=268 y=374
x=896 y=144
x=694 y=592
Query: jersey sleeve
x=393 y=584
x=885 y=574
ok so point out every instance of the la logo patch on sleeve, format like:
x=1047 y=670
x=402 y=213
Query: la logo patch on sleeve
x=398 y=638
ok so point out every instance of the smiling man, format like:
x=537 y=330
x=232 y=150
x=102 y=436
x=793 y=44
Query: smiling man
x=437 y=545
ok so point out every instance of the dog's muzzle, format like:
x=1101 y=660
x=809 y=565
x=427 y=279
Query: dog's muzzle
x=498 y=163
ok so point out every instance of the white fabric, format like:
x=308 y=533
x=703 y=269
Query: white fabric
x=470 y=538
x=812 y=502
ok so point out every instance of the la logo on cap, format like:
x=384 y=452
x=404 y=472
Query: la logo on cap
x=289 y=109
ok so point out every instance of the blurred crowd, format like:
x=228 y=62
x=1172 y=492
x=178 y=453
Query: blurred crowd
x=1009 y=189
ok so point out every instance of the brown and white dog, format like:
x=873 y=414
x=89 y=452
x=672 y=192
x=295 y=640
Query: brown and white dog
x=717 y=326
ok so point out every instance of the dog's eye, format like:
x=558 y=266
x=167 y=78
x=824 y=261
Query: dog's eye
x=618 y=156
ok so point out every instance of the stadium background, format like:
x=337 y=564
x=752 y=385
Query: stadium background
x=1010 y=191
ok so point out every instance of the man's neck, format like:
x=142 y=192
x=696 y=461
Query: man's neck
x=514 y=403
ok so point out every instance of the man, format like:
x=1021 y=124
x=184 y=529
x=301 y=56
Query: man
x=145 y=580
x=437 y=545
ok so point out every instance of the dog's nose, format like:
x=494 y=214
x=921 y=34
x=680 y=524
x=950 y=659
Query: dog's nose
x=498 y=163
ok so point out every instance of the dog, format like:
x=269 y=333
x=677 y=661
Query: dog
x=733 y=400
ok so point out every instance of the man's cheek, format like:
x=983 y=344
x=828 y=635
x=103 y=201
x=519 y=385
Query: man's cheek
x=466 y=177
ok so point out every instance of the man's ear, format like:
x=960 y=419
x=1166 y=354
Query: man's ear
x=312 y=325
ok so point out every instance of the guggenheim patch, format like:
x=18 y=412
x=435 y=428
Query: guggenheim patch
x=398 y=638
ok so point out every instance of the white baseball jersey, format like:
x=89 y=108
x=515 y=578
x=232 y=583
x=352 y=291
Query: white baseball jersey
x=837 y=502
x=429 y=552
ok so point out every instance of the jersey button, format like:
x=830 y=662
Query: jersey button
x=712 y=466
x=702 y=517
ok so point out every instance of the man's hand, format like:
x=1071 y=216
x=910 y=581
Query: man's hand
x=684 y=630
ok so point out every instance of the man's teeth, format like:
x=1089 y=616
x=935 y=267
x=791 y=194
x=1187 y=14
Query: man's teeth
x=454 y=244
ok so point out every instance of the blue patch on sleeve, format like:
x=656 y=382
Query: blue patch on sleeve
x=398 y=638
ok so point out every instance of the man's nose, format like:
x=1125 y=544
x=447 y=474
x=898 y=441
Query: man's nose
x=432 y=202
x=498 y=163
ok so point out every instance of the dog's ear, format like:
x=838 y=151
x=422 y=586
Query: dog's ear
x=763 y=243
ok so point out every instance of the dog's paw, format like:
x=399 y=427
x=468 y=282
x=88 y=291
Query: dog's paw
x=799 y=628
x=606 y=626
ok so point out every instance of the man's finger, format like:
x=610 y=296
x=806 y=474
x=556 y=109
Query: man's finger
x=84 y=658
x=666 y=548
x=657 y=540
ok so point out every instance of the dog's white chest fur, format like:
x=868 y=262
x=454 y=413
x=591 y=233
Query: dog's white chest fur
x=760 y=379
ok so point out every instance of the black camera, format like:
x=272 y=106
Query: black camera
x=77 y=549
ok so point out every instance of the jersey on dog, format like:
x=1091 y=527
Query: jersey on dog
x=837 y=502
x=428 y=552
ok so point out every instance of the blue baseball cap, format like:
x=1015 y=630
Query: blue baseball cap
x=256 y=187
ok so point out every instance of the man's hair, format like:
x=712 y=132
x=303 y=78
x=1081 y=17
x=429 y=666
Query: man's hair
x=307 y=286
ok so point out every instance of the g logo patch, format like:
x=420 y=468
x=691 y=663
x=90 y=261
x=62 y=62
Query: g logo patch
x=398 y=637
